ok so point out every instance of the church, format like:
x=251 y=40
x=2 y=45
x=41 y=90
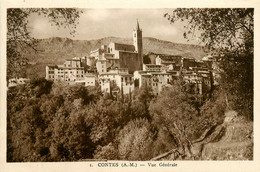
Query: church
x=119 y=67
x=118 y=55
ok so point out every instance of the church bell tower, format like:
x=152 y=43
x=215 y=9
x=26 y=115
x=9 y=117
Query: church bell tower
x=138 y=43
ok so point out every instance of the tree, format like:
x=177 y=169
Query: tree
x=135 y=140
x=146 y=58
x=40 y=86
x=223 y=29
x=142 y=99
x=19 y=38
x=230 y=33
x=106 y=152
x=173 y=111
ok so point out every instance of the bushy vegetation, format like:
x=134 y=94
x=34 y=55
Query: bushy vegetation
x=56 y=122
x=230 y=34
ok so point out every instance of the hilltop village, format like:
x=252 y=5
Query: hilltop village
x=119 y=67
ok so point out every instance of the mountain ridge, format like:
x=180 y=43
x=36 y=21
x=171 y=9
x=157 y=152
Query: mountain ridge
x=114 y=37
x=55 y=50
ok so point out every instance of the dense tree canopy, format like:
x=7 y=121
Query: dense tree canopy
x=55 y=122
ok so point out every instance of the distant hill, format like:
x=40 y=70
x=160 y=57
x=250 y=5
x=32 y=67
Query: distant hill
x=55 y=50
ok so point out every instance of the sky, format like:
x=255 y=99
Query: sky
x=100 y=23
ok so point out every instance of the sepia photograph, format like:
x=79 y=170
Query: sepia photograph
x=129 y=84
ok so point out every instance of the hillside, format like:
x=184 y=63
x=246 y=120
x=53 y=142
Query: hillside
x=55 y=50
x=231 y=140
x=236 y=142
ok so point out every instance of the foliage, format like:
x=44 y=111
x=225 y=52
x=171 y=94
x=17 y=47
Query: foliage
x=47 y=126
x=56 y=122
x=238 y=81
x=71 y=122
x=146 y=59
x=135 y=140
x=212 y=111
x=141 y=100
x=163 y=141
x=221 y=28
x=108 y=152
x=230 y=33
x=19 y=38
x=173 y=111
x=40 y=86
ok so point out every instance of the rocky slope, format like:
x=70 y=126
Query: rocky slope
x=235 y=140
x=231 y=140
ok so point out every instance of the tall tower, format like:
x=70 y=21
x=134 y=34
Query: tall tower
x=138 y=43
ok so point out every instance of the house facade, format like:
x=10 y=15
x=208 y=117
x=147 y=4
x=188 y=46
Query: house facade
x=71 y=71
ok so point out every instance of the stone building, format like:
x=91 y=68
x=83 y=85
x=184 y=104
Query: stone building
x=17 y=81
x=141 y=78
x=153 y=68
x=138 y=42
x=156 y=80
x=70 y=71
x=119 y=67
x=170 y=62
x=119 y=78
x=202 y=81
x=90 y=79
x=118 y=55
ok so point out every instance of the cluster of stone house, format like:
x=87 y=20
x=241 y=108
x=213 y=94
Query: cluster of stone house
x=13 y=82
x=119 y=67
x=71 y=71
